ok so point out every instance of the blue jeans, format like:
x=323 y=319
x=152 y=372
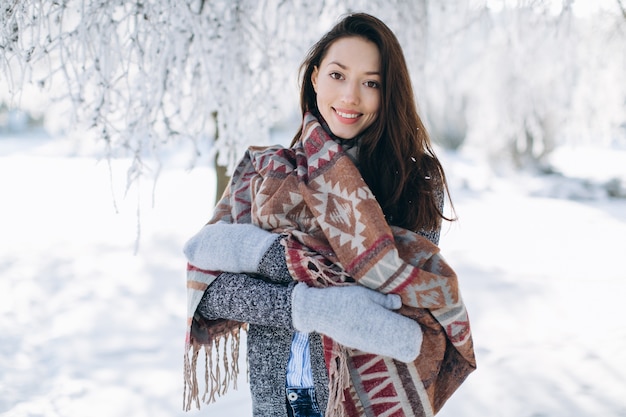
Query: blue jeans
x=301 y=402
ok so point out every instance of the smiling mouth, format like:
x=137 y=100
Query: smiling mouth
x=347 y=115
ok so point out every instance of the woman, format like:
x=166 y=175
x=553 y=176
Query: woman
x=356 y=199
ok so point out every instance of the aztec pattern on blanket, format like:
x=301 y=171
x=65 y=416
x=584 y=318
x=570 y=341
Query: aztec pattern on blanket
x=336 y=234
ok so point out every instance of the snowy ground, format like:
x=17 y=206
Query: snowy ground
x=88 y=329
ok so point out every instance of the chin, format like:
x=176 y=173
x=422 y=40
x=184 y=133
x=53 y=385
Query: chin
x=343 y=134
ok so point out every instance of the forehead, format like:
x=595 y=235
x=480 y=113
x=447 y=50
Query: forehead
x=355 y=53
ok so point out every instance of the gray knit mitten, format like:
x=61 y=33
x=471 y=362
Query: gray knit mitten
x=357 y=317
x=229 y=247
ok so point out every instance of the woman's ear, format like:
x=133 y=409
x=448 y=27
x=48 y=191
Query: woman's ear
x=314 y=78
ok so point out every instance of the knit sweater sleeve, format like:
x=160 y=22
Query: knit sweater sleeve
x=257 y=299
x=433 y=235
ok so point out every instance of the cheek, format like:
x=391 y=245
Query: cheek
x=323 y=92
x=375 y=106
x=373 y=101
x=319 y=102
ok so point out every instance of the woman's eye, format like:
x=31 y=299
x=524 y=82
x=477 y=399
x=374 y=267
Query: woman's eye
x=335 y=75
x=372 y=84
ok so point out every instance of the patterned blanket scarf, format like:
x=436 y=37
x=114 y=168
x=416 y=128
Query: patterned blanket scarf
x=336 y=234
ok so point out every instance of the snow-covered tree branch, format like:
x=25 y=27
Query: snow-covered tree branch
x=514 y=83
x=503 y=80
x=148 y=72
x=622 y=8
x=145 y=73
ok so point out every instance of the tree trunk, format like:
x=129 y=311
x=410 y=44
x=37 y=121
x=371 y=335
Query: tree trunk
x=221 y=174
x=222 y=180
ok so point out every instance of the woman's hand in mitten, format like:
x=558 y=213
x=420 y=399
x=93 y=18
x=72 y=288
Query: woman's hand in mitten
x=228 y=247
x=357 y=317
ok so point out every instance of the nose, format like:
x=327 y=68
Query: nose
x=350 y=93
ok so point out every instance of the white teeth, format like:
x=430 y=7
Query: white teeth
x=348 y=115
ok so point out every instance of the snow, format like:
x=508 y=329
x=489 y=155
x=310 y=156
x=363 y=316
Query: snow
x=89 y=328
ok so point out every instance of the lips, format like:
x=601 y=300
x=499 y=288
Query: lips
x=346 y=116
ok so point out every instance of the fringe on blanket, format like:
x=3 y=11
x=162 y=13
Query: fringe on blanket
x=338 y=380
x=222 y=350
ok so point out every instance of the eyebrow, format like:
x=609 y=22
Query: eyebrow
x=342 y=66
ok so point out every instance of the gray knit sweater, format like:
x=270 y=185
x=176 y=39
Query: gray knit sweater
x=266 y=306
x=264 y=301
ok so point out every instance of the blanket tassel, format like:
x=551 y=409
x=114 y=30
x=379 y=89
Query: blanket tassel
x=339 y=381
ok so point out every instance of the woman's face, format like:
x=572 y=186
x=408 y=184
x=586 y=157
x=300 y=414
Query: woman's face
x=347 y=83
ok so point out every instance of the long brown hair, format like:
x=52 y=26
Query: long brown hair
x=395 y=155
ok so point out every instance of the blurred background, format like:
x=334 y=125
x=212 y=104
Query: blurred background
x=117 y=119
